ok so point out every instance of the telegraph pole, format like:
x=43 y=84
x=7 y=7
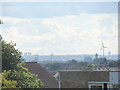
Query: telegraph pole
x=1 y=50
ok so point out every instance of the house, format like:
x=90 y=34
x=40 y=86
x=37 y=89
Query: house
x=48 y=80
x=114 y=78
x=88 y=79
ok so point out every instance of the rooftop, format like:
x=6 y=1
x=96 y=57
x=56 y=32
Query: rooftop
x=48 y=80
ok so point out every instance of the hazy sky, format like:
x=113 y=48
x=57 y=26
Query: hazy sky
x=61 y=28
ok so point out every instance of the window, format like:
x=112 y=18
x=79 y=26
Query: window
x=96 y=88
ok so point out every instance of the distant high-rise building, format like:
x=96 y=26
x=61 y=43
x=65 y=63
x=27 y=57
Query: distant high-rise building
x=51 y=57
x=87 y=59
x=96 y=55
x=109 y=53
x=25 y=54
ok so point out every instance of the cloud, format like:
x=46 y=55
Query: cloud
x=60 y=1
x=81 y=33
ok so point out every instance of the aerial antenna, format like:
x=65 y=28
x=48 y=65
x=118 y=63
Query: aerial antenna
x=103 y=49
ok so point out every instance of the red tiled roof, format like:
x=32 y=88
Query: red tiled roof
x=48 y=80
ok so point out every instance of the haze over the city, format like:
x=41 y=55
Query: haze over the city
x=61 y=28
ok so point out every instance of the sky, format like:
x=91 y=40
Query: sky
x=61 y=27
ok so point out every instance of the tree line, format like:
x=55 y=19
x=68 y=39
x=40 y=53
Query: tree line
x=73 y=64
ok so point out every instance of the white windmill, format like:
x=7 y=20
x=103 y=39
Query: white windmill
x=103 y=49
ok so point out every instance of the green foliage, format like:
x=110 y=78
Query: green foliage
x=83 y=63
x=10 y=56
x=73 y=62
x=53 y=66
x=14 y=75
x=69 y=65
x=113 y=64
x=85 y=66
x=23 y=78
x=6 y=83
x=100 y=61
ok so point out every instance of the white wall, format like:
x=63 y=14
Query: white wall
x=114 y=77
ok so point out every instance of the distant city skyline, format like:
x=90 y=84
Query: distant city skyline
x=60 y=58
x=61 y=28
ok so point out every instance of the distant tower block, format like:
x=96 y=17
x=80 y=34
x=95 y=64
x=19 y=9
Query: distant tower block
x=96 y=55
x=51 y=57
x=109 y=53
x=29 y=53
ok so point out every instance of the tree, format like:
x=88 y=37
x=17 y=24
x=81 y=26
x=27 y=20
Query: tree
x=100 y=61
x=13 y=73
x=21 y=78
x=72 y=62
x=113 y=64
x=8 y=83
x=83 y=63
x=53 y=66
x=10 y=56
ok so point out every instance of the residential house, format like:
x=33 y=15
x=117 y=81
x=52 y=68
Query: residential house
x=88 y=79
x=48 y=80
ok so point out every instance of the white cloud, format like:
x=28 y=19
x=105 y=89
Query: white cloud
x=68 y=34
